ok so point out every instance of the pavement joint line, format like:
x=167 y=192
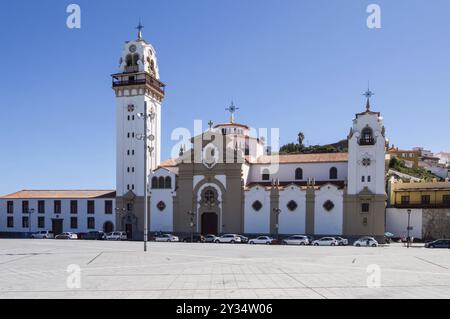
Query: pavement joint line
x=255 y=260
x=228 y=289
x=93 y=259
x=301 y=283
x=430 y=262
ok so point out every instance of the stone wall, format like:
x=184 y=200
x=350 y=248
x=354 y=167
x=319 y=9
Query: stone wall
x=436 y=223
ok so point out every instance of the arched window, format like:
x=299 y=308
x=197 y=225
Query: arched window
x=129 y=60
x=154 y=182
x=152 y=66
x=132 y=59
x=161 y=182
x=367 y=137
x=168 y=183
x=299 y=174
x=333 y=173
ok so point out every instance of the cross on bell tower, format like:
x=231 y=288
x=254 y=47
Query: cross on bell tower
x=140 y=27
x=232 y=109
x=368 y=94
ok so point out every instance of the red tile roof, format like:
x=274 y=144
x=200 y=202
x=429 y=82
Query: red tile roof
x=303 y=158
x=44 y=194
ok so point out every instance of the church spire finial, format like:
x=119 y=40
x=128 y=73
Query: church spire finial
x=232 y=109
x=368 y=94
x=139 y=28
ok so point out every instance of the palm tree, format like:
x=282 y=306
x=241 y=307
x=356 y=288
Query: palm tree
x=301 y=138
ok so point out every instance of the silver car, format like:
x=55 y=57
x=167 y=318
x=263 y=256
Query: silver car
x=210 y=238
x=296 y=240
x=228 y=238
x=167 y=238
x=44 y=234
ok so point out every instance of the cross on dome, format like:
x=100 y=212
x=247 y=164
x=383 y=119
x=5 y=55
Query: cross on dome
x=232 y=109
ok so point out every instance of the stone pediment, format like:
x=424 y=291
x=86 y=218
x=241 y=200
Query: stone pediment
x=130 y=195
x=366 y=192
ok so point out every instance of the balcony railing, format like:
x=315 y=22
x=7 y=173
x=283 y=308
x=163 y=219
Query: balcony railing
x=124 y=80
x=422 y=205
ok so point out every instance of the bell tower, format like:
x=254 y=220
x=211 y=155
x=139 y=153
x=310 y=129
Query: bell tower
x=139 y=94
x=365 y=198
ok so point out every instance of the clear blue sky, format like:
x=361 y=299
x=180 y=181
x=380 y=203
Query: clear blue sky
x=292 y=64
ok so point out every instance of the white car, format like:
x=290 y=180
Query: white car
x=261 y=240
x=296 y=240
x=210 y=238
x=44 y=234
x=167 y=238
x=117 y=235
x=326 y=241
x=366 y=242
x=67 y=235
x=228 y=238
x=341 y=241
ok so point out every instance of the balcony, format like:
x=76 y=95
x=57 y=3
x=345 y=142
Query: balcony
x=122 y=80
x=422 y=205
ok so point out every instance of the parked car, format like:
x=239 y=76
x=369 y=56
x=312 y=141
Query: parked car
x=95 y=235
x=67 y=235
x=440 y=243
x=166 y=238
x=326 y=241
x=228 y=238
x=195 y=239
x=244 y=239
x=261 y=240
x=210 y=238
x=82 y=235
x=341 y=241
x=116 y=235
x=43 y=234
x=296 y=240
x=366 y=241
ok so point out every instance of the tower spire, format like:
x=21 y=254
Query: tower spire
x=368 y=94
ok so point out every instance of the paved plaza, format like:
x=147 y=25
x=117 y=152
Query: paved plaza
x=39 y=269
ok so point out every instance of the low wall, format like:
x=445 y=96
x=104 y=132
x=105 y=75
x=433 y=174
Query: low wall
x=427 y=223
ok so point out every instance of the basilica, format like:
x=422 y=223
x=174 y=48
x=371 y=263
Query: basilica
x=227 y=182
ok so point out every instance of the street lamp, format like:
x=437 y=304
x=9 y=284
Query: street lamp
x=277 y=213
x=145 y=116
x=408 y=229
x=30 y=211
x=192 y=224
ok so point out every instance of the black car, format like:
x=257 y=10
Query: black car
x=95 y=235
x=195 y=239
x=440 y=243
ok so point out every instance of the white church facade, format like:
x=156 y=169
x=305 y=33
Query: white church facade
x=224 y=182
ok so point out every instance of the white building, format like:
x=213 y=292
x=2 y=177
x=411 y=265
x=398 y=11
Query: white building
x=78 y=211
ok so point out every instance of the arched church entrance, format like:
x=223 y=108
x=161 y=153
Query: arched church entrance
x=210 y=223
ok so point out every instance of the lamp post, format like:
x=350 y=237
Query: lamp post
x=30 y=211
x=192 y=224
x=146 y=137
x=277 y=213
x=408 y=229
